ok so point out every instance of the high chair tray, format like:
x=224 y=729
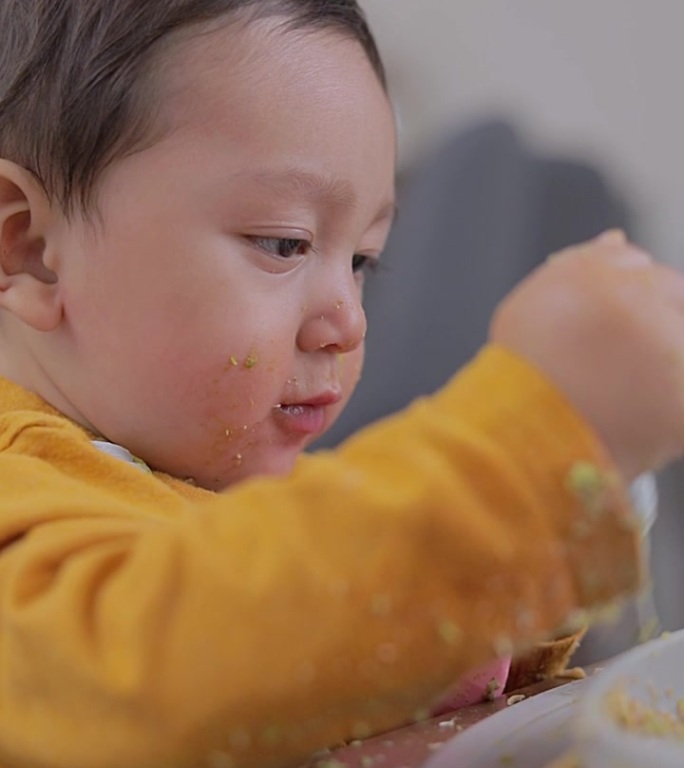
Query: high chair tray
x=530 y=734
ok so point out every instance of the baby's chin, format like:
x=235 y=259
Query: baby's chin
x=262 y=459
x=275 y=464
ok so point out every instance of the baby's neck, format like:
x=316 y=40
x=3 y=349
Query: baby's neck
x=19 y=364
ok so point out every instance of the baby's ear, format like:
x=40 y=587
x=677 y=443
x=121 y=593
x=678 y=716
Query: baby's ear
x=28 y=288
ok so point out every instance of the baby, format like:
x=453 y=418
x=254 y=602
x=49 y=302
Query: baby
x=191 y=192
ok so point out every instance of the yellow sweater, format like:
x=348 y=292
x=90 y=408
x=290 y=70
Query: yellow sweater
x=145 y=623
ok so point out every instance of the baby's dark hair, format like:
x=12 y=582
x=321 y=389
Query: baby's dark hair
x=71 y=73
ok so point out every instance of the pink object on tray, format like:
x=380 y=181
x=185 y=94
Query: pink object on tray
x=486 y=683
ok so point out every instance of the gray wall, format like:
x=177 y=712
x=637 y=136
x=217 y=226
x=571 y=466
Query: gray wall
x=599 y=77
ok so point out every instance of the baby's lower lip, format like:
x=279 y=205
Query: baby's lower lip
x=305 y=419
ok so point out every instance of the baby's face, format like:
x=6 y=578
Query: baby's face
x=215 y=316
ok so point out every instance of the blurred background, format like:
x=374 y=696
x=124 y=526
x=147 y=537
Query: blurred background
x=598 y=78
x=525 y=126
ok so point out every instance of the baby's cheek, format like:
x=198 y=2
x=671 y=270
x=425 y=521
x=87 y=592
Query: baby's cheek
x=233 y=394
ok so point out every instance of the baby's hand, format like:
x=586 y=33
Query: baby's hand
x=606 y=324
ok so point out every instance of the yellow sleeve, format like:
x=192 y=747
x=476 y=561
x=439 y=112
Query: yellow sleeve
x=290 y=614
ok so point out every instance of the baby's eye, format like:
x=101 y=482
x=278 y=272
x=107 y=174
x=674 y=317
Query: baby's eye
x=284 y=247
x=361 y=263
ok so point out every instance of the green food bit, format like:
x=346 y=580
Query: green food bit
x=585 y=478
x=607 y=614
x=450 y=632
x=421 y=715
x=361 y=730
x=503 y=646
x=492 y=687
x=648 y=631
x=590 y=485
x=381 y=605
x=576 y=620
x=140 y=463
x=251 y=361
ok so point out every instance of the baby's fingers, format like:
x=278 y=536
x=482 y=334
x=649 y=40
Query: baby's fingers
x=611 y=249
x=670 y=282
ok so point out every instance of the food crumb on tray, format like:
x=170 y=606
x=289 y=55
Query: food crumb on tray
x=634 y=716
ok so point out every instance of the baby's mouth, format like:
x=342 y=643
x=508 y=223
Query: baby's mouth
x=306 y=417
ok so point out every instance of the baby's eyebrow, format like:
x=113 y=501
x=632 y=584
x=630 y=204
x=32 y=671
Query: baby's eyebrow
x=308 y=184
x=315 y=186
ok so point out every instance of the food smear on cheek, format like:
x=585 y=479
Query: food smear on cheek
x=237 y=398
x=248 y=362
x=233 y=433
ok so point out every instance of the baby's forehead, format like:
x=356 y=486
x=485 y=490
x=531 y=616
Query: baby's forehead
x=261 y=107
x=236 y=72
x=240 y=55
